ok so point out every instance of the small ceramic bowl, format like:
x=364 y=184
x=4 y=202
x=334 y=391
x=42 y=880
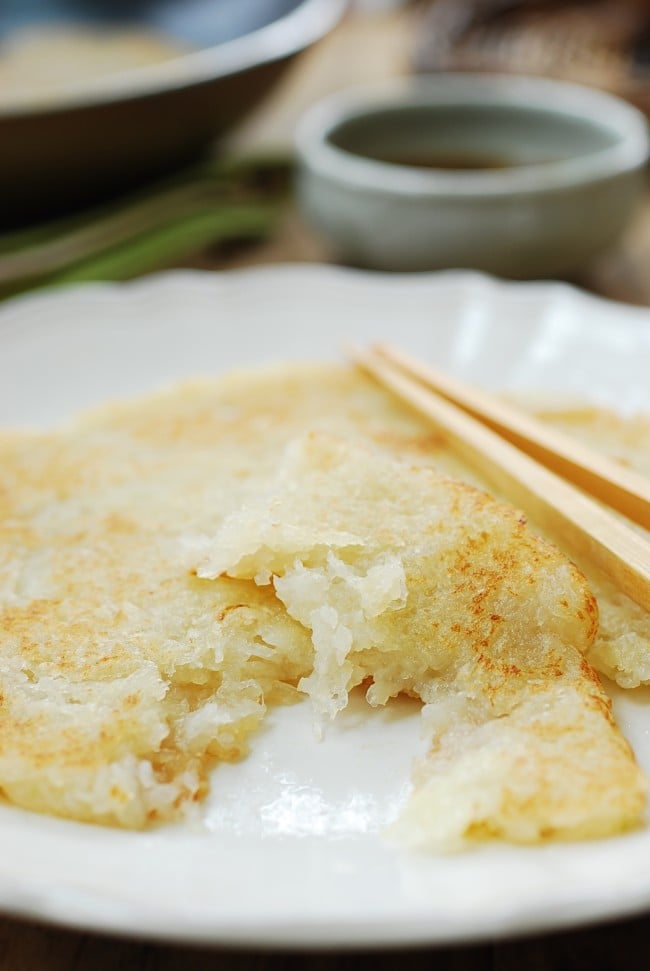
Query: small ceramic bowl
x=522 y=177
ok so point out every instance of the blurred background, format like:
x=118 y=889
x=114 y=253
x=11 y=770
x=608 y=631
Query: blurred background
x=139 y=135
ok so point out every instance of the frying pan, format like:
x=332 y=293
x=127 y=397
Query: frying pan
x=93 y=139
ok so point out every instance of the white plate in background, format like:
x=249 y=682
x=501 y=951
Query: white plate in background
x=287 y=850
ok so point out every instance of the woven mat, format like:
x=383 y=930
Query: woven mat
x=604 y=43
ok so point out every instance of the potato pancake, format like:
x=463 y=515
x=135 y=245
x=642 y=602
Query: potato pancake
x=124 y=677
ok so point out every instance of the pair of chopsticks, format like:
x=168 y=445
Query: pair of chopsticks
x=533 y=466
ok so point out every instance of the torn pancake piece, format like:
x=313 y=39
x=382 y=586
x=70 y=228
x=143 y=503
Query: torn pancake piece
x=427 y=586
x=123 y=681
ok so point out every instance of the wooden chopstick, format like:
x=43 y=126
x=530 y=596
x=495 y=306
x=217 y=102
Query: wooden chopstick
x=616 y=486
x=589 y=530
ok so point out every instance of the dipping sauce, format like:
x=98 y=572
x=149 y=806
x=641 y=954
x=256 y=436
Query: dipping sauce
x=455 y=162
x=467 y=138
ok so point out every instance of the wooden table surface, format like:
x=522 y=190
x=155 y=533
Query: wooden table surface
x=619 y=947
x=362 y=49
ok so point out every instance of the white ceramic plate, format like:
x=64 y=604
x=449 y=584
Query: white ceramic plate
x=288 y=851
